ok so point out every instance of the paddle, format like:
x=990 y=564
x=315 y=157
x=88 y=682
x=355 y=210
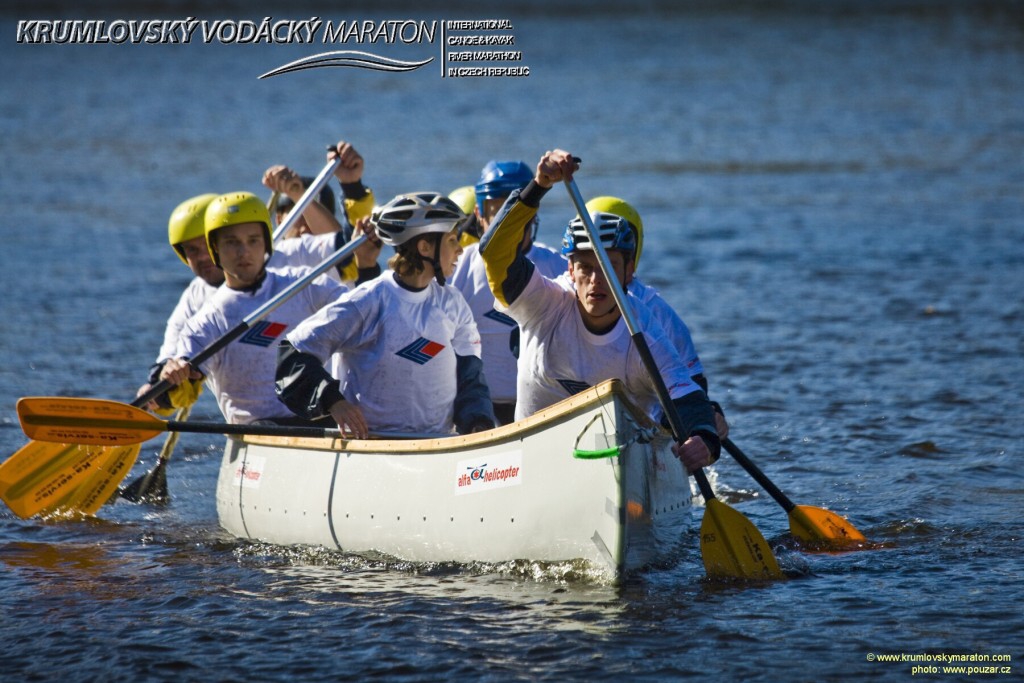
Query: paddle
x=100 y=487
x=272 y=206
x=731 y=546
x=96 y=421
x=152 y=486
x=808 y=523
x=36 y=479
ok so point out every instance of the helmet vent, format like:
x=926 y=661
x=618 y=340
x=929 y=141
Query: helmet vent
x=408 y=216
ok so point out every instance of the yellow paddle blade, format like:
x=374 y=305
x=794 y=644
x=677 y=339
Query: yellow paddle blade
x=39 y=475
x=87 y=421
x=733 y=548
x=90 y=495
x=817 y=525
x=28 y=463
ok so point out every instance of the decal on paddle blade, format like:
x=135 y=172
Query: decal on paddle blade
x=499 y=317
x=263 y=333
x=421 y=350
x=573 y=387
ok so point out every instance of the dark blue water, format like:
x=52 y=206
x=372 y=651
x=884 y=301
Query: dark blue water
x=834 y=201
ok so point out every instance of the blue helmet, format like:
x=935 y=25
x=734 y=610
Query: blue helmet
x=615 y=232
x=499 y=179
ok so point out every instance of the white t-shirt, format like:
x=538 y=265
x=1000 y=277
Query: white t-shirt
x=241 y=375
x=398 y=349
x=189 y=303
x=559 y=357
x=470 y=278
x=305 y=251
x=675 y=329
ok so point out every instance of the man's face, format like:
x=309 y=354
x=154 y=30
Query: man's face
x=198 y=258
x=593 y=292
x=242 y=250
x=491 y=208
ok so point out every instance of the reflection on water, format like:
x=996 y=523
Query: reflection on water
x=63 y=559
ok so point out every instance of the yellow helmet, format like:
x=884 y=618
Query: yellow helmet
x=187 y=222
x=625 y=210
x=470 y=229
x=465 y=197
x=235 y=208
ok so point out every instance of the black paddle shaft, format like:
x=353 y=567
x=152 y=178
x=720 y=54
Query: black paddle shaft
x=666 y=404
x=760 y=476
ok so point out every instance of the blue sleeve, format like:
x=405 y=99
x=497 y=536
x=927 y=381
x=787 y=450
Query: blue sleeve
x=473 y=408
x=698 y=418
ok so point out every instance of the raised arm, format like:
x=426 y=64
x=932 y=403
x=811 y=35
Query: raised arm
x=503 y=247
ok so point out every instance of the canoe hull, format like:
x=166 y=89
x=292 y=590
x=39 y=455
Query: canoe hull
x=515 y=493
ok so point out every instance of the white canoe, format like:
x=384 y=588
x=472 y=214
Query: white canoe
x=519 y=492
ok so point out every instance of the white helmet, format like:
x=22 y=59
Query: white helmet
x=414 y=214
x=614 y=231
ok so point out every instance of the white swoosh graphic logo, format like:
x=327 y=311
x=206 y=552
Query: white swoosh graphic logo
x=350 y=58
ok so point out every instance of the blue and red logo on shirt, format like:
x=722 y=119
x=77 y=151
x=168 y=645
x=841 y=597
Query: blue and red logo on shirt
x=263 y=333
x=421 y=350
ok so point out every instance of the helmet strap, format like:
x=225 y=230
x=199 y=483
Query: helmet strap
x=435 y=261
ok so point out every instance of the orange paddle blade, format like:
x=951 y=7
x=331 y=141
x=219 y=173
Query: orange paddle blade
x=87 y=421
x=733 y=548
x=818 y=525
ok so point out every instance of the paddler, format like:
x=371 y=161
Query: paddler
x=186 y=232
x=574 y=339
x=410 y=348
x=499 y=334
x=608 y=213
x=320 y=233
